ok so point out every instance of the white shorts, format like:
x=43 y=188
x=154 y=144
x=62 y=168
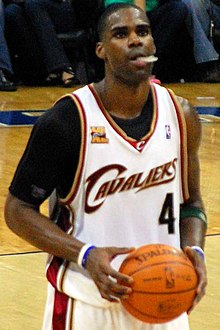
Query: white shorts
x=77 y=315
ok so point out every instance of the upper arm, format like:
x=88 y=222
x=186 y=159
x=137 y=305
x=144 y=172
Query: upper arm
x=193 y=143
x=35 y=175
x=48 y=157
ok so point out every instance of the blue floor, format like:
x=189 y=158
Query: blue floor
x=29 y=117
x=214 y=111
x=19 y=118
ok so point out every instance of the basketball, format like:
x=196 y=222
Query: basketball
x=164 y=285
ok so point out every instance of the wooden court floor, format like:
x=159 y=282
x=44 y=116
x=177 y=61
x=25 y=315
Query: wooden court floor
x=22 y=281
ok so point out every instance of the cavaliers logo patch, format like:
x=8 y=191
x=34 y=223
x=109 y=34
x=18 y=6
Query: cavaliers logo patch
x=98 y=135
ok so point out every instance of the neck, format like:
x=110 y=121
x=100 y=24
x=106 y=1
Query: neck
x=123 y=101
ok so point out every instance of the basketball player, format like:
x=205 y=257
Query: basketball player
x=119 y=159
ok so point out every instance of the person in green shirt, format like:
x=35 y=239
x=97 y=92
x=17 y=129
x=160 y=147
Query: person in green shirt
x=150 y=5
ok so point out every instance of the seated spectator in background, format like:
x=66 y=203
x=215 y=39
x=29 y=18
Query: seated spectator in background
x=198 y=22
x=26 y=55
x=215 y=16
x=49 y=17
x=35 y=24
x=6 y=71
x=167 y=19
x=215 y=12
x=38 y=56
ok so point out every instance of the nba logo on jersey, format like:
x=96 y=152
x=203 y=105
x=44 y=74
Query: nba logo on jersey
x=168 y=131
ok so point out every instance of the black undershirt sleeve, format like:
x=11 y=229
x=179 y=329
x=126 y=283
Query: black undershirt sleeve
x=51 y=155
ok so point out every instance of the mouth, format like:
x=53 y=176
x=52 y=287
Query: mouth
x=141 y=60
x=145 y=59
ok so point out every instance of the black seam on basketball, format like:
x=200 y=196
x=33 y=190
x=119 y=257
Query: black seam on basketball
x=164 y=293
x=159 y=263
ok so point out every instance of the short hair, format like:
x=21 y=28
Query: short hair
x=101 y=26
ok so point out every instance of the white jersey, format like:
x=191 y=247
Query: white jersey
x=125 y=192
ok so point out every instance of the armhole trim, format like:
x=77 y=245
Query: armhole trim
x=183 y=145
x=78 y=175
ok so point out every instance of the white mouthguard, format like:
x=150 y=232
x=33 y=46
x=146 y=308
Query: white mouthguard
x=148 y=59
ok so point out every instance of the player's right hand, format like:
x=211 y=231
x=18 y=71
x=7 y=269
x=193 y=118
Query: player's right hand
x=200 y=267
x=106 y=278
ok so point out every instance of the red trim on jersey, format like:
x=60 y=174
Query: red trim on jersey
x=59 y=311
x=183 y=146
x=137 y=145
x=57 y=266
x=53 y=269
x=71 y=195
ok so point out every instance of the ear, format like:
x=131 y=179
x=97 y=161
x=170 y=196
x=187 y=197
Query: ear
x=100 y=50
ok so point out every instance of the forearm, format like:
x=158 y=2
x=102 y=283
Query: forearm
x=192 y=232
x=193 y=224
x=141 y=4
x=39 y=230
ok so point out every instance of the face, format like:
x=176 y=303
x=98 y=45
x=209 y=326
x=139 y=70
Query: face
x=127 y=41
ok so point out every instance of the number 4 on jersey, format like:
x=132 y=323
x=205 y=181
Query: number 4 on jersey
x=167 y=214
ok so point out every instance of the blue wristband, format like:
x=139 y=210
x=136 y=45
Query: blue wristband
x=199 y=250
x=86 y=255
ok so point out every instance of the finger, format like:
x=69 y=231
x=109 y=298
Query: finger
x=122 y=278
x=199 y=264
x=202 y=280
x=109 y=297
x=110 y=287
x=117 y=251
x=114 y=293
x=123 y=287
x=115 y=296
x=201 y=290
x=192 y=307
x=199 y=295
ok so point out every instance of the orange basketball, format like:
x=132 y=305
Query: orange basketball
x=164 y=285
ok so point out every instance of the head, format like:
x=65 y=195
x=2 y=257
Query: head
x=125 y=40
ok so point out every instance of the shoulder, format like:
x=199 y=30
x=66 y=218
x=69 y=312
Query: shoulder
x=189 y=111
x=59 y=113
x=187 y=107
x=193 y=123
x=59 y=120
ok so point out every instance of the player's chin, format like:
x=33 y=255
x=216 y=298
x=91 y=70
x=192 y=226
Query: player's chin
x=143 y=74
x=142 y=78
x=138 y=77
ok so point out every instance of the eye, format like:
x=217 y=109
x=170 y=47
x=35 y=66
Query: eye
x=120 y=33
x=143 y=31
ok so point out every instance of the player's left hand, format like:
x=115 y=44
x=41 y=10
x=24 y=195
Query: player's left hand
x=200 y=267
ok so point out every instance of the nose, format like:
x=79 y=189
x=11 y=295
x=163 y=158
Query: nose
x=134 y=39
